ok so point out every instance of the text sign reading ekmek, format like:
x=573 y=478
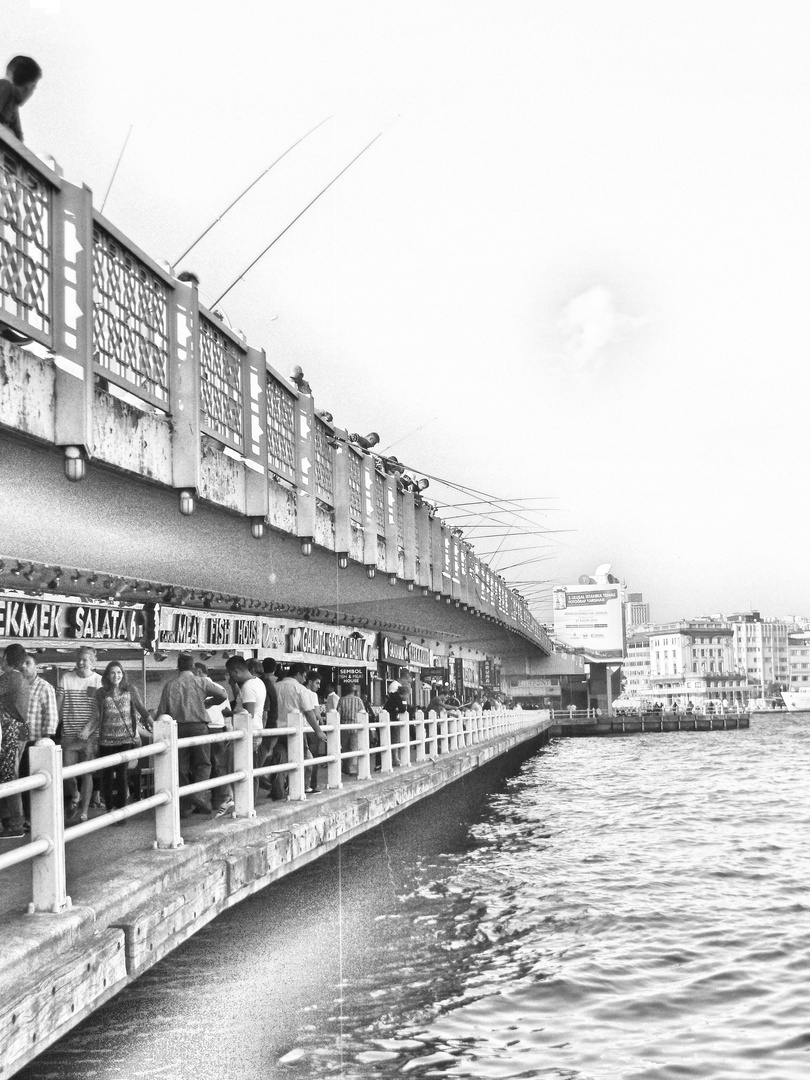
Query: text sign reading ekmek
x=31 y=620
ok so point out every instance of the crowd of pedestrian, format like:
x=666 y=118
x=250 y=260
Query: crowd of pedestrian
x=95 y=715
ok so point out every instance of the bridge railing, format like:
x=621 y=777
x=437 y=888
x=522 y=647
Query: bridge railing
x=432 y=737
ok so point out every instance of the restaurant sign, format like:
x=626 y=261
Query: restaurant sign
x=184 y=628
x=312 y=641
x=399 y=652
x=60 y=620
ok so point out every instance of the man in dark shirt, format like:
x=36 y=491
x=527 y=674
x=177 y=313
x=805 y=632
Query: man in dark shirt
x=22 y=76
x=183 y=699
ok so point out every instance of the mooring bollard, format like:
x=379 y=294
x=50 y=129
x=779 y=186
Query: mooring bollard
x=243 y=796
x=167 y=816
x=49 y=891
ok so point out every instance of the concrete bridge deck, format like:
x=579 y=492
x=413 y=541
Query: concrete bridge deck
x=132 y=905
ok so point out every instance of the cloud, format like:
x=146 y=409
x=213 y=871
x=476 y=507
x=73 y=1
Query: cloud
x=589 y=324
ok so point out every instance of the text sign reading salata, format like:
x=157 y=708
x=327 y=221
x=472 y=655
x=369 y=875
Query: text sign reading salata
x=58 y=620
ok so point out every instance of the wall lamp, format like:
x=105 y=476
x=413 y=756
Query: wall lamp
x=409 y=586
x=257 y=528
x=425 y=591
x=343 y=559
x=186 y=502
x=75 y=464
x=371 y=571
x=437 y=597
x=392 y=579
x=306 y=545
x=448 y=599
x=458 y=603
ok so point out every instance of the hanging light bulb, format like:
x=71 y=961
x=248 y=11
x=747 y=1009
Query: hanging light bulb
x=371 y=571
x=343 y=559
x=392 y=579
x=75 y=464
x=306 y=545
x=186 y=502
x=257 y=528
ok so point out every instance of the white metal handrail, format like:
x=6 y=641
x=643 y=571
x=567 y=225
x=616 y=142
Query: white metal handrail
x=434 y=736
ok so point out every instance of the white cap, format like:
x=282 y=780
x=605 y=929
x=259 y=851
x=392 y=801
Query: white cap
x=393 y=687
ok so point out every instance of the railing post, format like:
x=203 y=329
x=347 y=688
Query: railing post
x=295 y=756
x=419 y=723
x=244 y=806
x=333 y=769
x=444 y=739
x=48 y=823
x=386 y=758
x=167 y=816
x=432 y=734
x=363 y=744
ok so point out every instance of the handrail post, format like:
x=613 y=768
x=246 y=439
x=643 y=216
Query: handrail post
x=244 y=806
x=333 y=769
x=49 y=891
x=433 y=734
x=444 y=739
x=167 y=816
x=386 y=757
x=419 y=723
x=295 y=756
x=364 y=745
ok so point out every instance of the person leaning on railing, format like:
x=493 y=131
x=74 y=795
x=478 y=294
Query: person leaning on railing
x=183 y=698
x=22 y=76
x=14 y=700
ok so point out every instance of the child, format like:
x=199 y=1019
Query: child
x=22 y=76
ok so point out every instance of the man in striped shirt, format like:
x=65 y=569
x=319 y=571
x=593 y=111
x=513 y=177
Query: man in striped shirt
x=76 y=700
x=43 y=719
x=349 y=707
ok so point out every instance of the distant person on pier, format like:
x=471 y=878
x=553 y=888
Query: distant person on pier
x=690 y=708
x=294 y=697
x=115 y=728
x=22 y=76
x=275 y=749
x=435 y=704
x=183 y=699
x=349 y=708
x=15 y=696
x=76 y=698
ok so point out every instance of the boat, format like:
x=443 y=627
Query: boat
x=796 y=700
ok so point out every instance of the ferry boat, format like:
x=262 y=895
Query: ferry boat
x=796 y=700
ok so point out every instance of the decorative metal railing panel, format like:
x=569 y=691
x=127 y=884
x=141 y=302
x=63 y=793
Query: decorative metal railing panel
x=355 y=488
x=324 y=478
x=280 y=429
x=130 y=321
x=379 y=502
x=221 y=384
x=25 y=243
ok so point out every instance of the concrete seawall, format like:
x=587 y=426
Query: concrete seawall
x=134 y=905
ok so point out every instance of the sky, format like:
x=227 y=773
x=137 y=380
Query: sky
x=574 y=267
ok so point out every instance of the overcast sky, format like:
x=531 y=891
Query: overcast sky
x=577 y=260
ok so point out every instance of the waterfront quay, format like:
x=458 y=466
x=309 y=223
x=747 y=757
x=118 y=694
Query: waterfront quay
x=579 y=724
x=135 y=894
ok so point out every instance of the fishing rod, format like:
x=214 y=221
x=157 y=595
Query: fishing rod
x=404 y=437
x=205 y=232
x=297 y=216
x=115 y=170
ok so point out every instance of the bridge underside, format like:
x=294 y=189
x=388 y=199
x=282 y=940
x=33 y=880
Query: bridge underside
x=122 y=529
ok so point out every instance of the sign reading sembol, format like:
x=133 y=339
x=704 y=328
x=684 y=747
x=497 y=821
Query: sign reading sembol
x=590 y=617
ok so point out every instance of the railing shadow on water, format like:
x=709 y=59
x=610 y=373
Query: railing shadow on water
x=401 y=742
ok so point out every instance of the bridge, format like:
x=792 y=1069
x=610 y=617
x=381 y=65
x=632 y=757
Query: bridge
x=152 y=456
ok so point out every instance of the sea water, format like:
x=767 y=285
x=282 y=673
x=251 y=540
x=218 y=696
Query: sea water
x=619 y=908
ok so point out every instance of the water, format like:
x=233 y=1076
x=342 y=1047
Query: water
x=612 y=909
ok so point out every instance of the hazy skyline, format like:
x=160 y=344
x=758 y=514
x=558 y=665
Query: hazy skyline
x=575 y=265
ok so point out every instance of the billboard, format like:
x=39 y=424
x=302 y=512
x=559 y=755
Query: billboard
x=591 y=618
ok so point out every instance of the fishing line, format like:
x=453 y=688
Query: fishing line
x=115 y=170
